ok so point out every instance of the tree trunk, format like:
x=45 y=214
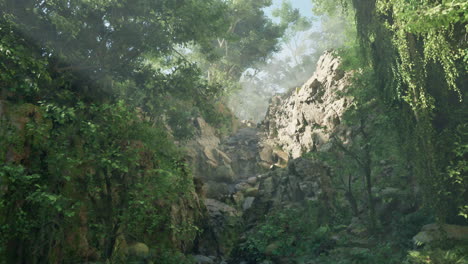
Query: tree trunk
x=350 y=197
x=367 y=166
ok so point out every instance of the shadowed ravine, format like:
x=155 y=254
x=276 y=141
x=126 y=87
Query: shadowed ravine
x=121 y=140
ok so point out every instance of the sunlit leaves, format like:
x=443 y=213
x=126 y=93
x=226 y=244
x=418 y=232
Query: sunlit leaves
x=104 y=38
x=21 y=70
x=435 y=24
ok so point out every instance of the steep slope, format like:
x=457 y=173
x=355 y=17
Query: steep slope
x=306 y=185
x=250 y=173
x=303 y=119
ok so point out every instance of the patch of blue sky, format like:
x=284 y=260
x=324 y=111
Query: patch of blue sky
x=305 y=8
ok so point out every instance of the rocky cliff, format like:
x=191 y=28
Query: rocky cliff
x=303 y=119
x=246 y=175
x=268 y=189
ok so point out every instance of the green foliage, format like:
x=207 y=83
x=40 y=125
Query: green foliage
x=87 y=90
x=22 y=70
x=408 y=131
x=435 y=23
x=416 y=51
x=371 y=152
x=86 y=35
x=455 y=255
x=29 y=190
x=220 y=116
x=293 y=233
x=381 y=253
x=408 y=89
x=250 y=37
x=173 y=257
x=455 y=174
x=99 y=157
x=275 y=73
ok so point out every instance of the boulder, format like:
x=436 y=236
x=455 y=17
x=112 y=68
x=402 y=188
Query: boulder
x=281 y=157
x=251 y=192
x=248 y=202
x=435 y=232
x=200 y=259
x=216 y=189
x=304 y=179
x=224 y=174
x=223 y=156
x=266 y=154
x=138 y=250
x=224 y=224
x=252 y=180
x=265 y=165
x=238 y=198
x=216 y=208
x=242 y=186
x=208 y=151
x=271 y=249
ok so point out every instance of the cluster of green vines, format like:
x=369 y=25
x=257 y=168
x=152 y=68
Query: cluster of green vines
x=435 y=25
x=409 y=95
x=418 y=49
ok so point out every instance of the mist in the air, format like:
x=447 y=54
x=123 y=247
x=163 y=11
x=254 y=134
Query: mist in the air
x=291 y=66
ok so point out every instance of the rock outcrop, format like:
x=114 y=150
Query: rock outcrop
x=227 y=166
x=248 y=174
x=302 y=180
x=303 y=119
x=209 y=163
x=436 y=232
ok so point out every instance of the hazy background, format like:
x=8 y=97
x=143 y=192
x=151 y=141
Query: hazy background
x=289 y=67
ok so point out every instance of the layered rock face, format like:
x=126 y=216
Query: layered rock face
x=221 y=165
x=297 y=122
x=249 y=173
x=225 y=166
x=226 y=172
x=302 y=120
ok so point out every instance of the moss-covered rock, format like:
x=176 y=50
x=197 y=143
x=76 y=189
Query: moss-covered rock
x=138 y=250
